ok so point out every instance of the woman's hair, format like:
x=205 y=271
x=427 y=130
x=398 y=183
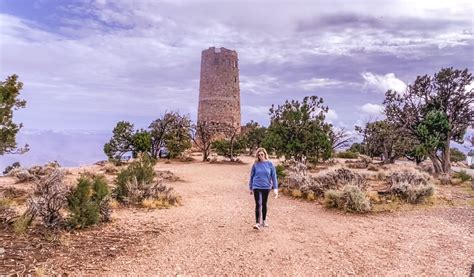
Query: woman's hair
x=261 y=149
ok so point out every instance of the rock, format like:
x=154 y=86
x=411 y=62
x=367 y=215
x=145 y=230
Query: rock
x=2 y=250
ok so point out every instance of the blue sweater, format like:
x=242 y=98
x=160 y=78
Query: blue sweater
x=263 y=176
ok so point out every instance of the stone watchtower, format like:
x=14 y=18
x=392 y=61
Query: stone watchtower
x=219 y=92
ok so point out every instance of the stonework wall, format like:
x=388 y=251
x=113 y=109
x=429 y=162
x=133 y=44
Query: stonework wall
x=219 y=92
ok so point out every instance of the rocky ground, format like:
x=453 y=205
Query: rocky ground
x=211 y=233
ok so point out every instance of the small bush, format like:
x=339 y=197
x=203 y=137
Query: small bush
x=10 y=167
x=167 y=175
x=296 y=193
x=140 y=170
x=21 y=174
x=463 y=175
x=410 y=186
x=412 y=193
x=310 y=196
x=350 y=199
x=22 y=223
x=348 y=155
x=333 y=199
x=88 y=202
x=49 y=198
x=280 y=171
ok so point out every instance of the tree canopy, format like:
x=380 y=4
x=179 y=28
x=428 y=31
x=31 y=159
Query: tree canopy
x=434 y=111
x=9 y=92
x=297 y=129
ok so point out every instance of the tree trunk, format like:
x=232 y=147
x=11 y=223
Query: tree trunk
x=446 y=160
x=232 y=149
x=205 y=155
x=436 y=164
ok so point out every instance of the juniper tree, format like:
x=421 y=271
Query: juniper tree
x=439 y=104
x=9 y=92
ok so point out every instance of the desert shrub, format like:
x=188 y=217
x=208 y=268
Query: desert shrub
x=21 y=174
x=296 y=193
x=167 y=175
x=49 y=198
x=410 y=186
x=10 y=167
x=39 y=171
x=22 y=223
x=155 y=193
x=280 y=171
x=310 y=196
x=294 y=166
x=456 y=155
x=412 y=193
x=333 y=199
x=411 y=177
x=88 y=202
x=319 y=184
x=347 y=155
x=160 y=196
x=463 y=175
x=141 y=171
x=338 y=179
x=350 y=199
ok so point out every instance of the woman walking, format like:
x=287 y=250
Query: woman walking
x=262 y=179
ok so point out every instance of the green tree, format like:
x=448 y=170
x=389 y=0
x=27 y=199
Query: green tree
x=226 y=148
x=254 y=135
x=381 y=139
x=427 y=105
x=297 y=129
x=141 y=142
x=84 y=210
x=457 y=156
x=173 y=131
x=357 y=148
x=9 y=92
x=121 y=142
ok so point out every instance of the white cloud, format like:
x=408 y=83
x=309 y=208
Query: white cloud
x=331 y=115
x=314 y=83
x=258 y=85
x=382 y=83
x=372 y=109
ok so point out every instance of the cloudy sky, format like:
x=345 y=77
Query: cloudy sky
x=87 y=64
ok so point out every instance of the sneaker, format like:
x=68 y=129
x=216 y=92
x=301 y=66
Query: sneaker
x=256 y=226
x=265 y=224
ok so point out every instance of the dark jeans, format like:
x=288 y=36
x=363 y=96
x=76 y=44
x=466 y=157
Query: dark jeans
x=261 y=197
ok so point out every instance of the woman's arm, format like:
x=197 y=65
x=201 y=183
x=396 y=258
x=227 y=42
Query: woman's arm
x=252 y=173
x=274 y=177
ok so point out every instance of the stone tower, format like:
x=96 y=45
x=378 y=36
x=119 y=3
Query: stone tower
x=219 y=92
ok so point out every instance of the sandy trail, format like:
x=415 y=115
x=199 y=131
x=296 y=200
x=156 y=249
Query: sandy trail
x=211 y=234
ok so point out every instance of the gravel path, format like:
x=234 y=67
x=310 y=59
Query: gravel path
x=211 y=233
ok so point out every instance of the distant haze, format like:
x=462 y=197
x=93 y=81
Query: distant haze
x=68 y=148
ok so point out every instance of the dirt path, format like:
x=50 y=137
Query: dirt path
x=211 y=234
